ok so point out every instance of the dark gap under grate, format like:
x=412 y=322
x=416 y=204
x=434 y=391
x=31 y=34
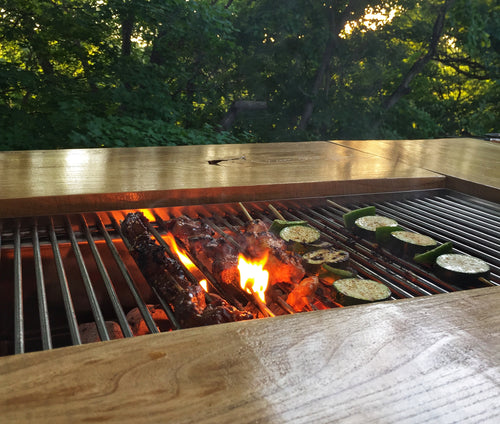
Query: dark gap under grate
x=59 y=272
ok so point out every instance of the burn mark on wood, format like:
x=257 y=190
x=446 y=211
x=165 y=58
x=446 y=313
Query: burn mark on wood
x=218 y=161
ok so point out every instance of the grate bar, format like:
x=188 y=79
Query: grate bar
x=18 y=292
x=486 y=208
x=445 y=211
x=40 y=286
x=94 y=304
x=120 y=315
x=128 y=279
x=63 y=281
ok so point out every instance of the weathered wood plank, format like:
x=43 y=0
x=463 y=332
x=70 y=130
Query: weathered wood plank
x=471 y=165
x=432 y=359
x=45 y=182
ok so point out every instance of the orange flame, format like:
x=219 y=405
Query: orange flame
x=170 y=240
x=148 y=214
x=253 y=277
x=203 y=284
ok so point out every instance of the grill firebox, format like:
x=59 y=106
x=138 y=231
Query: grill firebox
x=61 y=271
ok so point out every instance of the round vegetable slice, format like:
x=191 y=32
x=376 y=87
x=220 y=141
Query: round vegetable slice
x=353 y=291
x=300 y=234
x=366 y=226
x=408 y=243
x=313 y=260
x=279 y=224
x=461 y=269
x=350 y=217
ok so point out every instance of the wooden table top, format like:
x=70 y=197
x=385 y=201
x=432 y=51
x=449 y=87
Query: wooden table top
x=432 y=359
x=463 y=161
x=429 y=359
x=45 y=182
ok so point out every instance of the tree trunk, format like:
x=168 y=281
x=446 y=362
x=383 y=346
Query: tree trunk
x=418 y=66
x=240 y=106
x=336 y=23
x=127 y=28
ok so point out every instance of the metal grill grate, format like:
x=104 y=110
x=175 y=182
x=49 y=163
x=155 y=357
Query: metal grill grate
x=61 y=271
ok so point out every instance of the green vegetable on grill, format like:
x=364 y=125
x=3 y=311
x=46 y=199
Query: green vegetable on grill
x=279 y=224
x=353 y=291
x=314 y=260
x=350 y=217
x=460 y=269
x=409 y=244
x=430 y=256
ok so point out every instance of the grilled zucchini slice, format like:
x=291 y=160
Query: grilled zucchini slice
x=366 y=226
x=354 y=291
x=352 y=216
x=279 y=224
x=409 y=244
x=300 y=234
x=460 y=269
x=314 y=260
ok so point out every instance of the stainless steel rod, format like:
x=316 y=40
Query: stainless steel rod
x=63 y=281
x=94 y=303
x=40 y=288
x=18 y=293
x=120 y=315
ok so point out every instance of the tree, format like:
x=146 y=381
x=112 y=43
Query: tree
x=87 y=73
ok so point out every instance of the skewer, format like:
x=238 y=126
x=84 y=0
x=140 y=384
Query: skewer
x=276 y=212
x=262 y=306
x=343 y=208
x=485 y=281
x=285 y=305
x=247 y=214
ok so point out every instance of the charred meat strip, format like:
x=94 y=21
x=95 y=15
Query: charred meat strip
x=255 y=241
x=192 y=307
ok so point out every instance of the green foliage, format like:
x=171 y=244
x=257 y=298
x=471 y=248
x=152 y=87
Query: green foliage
x=88 y=73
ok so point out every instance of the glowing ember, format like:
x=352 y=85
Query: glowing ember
x=148 y=214
x=170 y=240
x=203 y=283
x=253 y=277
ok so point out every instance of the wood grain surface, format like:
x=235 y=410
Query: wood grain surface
x=471 y=165
x=424 y=360
x=45 y=182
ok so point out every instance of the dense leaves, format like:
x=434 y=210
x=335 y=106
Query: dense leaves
x=91 y=73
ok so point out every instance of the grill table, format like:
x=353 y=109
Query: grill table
x=428 y=358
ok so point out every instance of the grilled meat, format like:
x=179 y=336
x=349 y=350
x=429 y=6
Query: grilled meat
x=221 y=257
x=183 y=228
x=303 y=294
x=283 y=266
x=191 y=305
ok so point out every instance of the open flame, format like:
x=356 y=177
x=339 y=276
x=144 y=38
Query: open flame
x=170 y=240
x=253 y=276
x=148 y=214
